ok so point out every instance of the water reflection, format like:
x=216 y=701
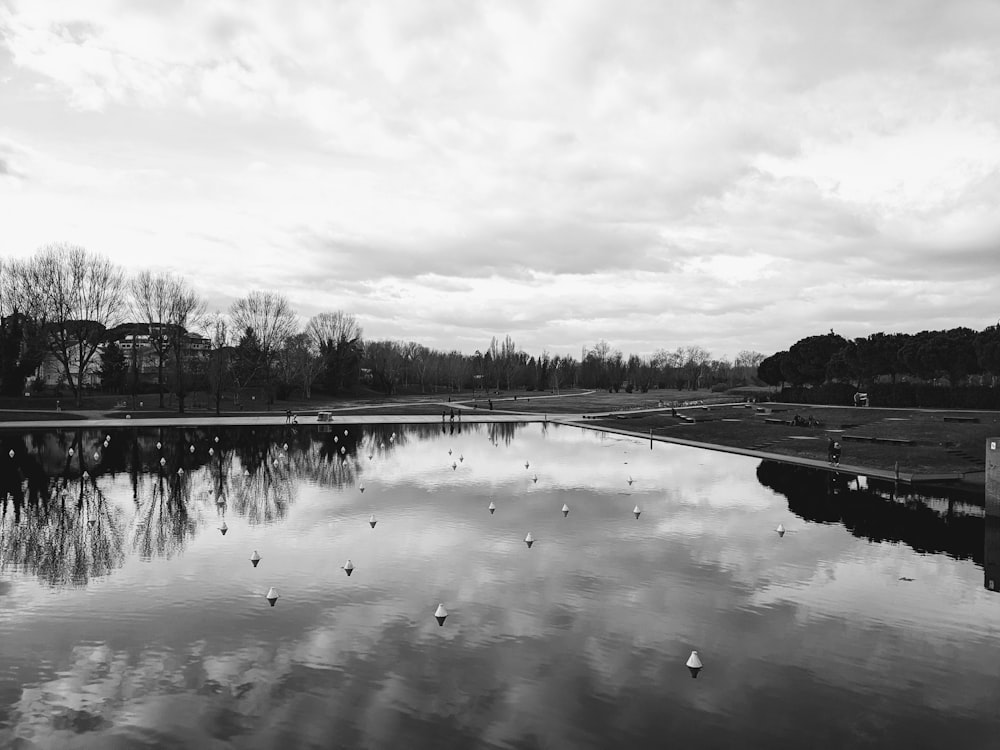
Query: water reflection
x=580 y=642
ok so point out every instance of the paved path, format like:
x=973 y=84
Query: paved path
x=469 y=416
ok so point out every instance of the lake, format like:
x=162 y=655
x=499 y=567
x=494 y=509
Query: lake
x=128 y=619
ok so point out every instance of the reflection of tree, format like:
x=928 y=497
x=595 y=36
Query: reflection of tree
x=163 y=524
x=70 y=534
x=828 y=497
x=503 y=432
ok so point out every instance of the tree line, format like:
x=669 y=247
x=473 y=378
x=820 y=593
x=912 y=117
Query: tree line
x=962 y=356
x=76 y=308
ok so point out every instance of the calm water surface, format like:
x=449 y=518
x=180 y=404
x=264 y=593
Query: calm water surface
x=127 y=619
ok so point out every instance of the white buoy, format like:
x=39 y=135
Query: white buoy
x=216 y=438
x=223 y=528
x=534 y=478
x=361 y=486
x=128 y=416
x=372 y=521
x=255 y=558
x=71 y=452
x=275 y=462
x=107 y=443
x=272 y=595
x=780 y=529
x=492 y=507
x=284 y=446
x=107 y=438
x=694 y=663
x=630 y=480
x=163 y=461
x=159 y=445
x=97 y=456
x=453 y=465
x=180 y=472
x=11 y=453
x=382 y=445
x=246 y=472
x=344 y=462
x=440 y=614
x=348 y=567
x=345 y=433
x=343 y=450
x=211 y=451
x=86 y=475
x=192 y=449
x=565 y=510
x=336 y=439
x=529 y=540
x=636 y=511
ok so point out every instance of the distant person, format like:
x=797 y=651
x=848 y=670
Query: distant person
x=288 y=416
x=834 y=452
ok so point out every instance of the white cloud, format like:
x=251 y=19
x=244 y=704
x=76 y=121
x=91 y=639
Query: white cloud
x=666 y=173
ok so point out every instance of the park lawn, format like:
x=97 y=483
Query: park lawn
x=587 y=402
x=939 y=446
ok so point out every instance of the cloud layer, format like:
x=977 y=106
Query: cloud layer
x=657 y=174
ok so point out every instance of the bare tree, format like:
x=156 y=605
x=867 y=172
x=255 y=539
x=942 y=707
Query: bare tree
x=301 y=361
x=270 y=318
x=337 y=338
x=84 y=295
x=186 y=310
x=151 y=301
x=221 y=356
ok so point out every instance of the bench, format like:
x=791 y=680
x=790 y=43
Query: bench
x=775 y=420
x=961 y=419
x=868 y=439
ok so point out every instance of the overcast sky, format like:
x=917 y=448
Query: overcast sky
x=735 y=175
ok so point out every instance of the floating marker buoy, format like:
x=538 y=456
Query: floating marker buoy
x=344 y=462
x=348 y=567
x=284 y=446
x=449 y=451
x=492 y=507
x=275 y=462
x=159 y=445
x=630 y=480
x=86 y=475
x=192 y=449
x=107 y=438
x=128 y=416
x=534 y=478
x=694 y=664
x=180 y=472
x=223 y=528
x=11 y=453
x=106 y=443
x=343 y=450
x=453 y=464
x=780 y=530
x=361 y=486
x=372 y=521
x=336 y=439
x=255 y=558
x=163 y=461
x=216 y=438
x=529 y=540
x=97 y=456
x=440 y=614
x=71 y=452
x=636 y=511
x=211 y=451
x=371 y=456
x=246 y=472
x=565 y=510
x=381 y=445
x=272 y=595
x=526 y=464
x=345 y=433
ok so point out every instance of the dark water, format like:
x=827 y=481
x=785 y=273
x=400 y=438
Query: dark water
x=128 y=620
